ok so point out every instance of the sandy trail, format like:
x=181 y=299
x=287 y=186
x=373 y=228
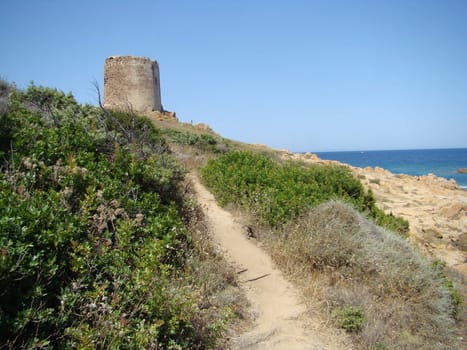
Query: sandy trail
x=280 y=318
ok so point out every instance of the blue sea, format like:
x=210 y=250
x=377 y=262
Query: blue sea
x=441 y=162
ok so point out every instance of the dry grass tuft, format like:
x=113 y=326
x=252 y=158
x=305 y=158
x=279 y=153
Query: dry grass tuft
x=348 y=263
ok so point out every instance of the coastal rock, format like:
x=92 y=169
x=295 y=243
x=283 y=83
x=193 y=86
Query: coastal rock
x=454 y=211
x=379 y=170
x=203 y=127
x=312 y=157
x=436 y=208
x=462 y=171
x=433 y=232
x=286 y=151
x=432 y=179
x=461 y=242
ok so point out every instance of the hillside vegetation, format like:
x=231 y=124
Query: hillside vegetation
x=321 y=228
x=100 y=244
x=276 y=193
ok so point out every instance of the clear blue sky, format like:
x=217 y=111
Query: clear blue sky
x=298 y=74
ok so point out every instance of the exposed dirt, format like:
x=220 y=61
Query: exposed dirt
x=281 y=320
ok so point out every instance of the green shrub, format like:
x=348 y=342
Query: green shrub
x=6 y=122
x=456 y=297
x=350 y=318
x=94 y=247
x=277 y=193
x=203 y=142
x=390 y=221
x=4 y=100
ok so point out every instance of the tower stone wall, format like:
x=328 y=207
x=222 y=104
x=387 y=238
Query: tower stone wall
x=132 y=82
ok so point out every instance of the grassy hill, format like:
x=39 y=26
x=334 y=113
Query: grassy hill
x=103 y=246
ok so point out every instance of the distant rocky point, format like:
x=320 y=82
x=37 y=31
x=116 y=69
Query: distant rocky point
x=462 y=171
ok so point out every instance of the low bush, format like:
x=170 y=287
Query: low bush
x=203 y=142
x=373 y=283
x=456 y=296
x=350 y=318
x=277 y=193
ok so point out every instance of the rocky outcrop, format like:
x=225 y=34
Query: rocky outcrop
x=164 y=115
x=203 y=127
x=436 y=208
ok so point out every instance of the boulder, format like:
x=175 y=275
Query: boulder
x=454 y=211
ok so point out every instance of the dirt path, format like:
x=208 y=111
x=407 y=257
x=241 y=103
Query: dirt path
x=280 y=318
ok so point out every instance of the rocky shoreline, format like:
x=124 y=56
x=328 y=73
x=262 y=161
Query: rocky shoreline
x=436 y=208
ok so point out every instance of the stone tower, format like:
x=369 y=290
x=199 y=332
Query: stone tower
x=132 y=82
